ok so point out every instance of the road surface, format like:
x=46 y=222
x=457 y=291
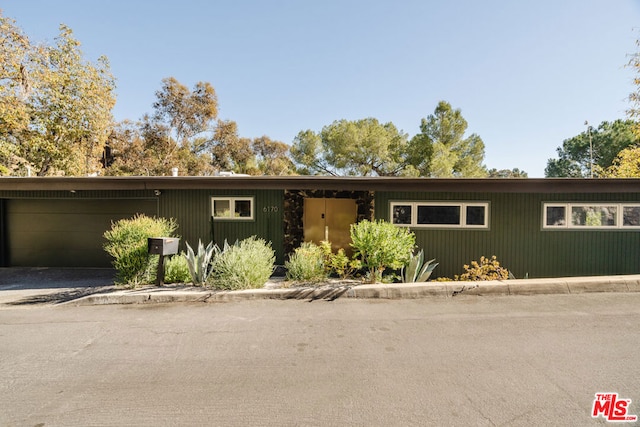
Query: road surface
x=486 y=361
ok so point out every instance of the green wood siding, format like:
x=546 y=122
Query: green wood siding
x=516 y=237
x=192 y=211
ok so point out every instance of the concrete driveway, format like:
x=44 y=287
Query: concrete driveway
x=41 y=285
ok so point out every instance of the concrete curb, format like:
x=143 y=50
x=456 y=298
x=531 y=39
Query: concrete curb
x=443 y=290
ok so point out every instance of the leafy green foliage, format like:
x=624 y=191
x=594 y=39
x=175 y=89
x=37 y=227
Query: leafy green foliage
x=381 y=245
x=607 y=141
x=416 y=270
x=486 y=269
x=127 y=244
x=363 y=148
x=176 y=269
x=339 y=263
x=507 y=173
x=306 y=263
x=177 y=134
x=272 y=157
x=369 y=148
x=245 y=265
x=199 y=264
x=441 y=150
x=187 y=113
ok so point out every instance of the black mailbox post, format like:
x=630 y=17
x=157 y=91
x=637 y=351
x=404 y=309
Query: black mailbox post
x=162 y=246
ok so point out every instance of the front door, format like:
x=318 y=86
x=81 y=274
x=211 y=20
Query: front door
x=330 y=220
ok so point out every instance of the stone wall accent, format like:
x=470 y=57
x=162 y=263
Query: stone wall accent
x=294 y=211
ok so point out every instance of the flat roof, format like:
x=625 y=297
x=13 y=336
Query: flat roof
x=472 y=185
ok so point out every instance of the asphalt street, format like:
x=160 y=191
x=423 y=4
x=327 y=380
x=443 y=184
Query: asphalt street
x=469 y=360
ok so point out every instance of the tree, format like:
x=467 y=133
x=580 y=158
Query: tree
x=179 y=134
x=230 y=152
x=361 y=148
x=271 y=156
x=306 y=151
x=15 y=60
x=127 y=151
x=634 y=98
x=506 y=173
x=146 y=148
x=574 y=157
x=188 y=114
x=181 y=127
x=441 y=150
x=56 y=107
x=625 y=165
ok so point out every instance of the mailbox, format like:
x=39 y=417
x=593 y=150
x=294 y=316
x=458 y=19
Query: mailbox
x=163 y=245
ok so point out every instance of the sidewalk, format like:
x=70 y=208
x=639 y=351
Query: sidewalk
x=30 y=286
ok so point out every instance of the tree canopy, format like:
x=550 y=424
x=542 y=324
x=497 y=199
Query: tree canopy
x=607 y=140
x=56 y=119
x=55 y=107
x=369 y=148
x=507 y=173
x=441 y=149
x=625 y=165
x=362 y=147
x=183 y=133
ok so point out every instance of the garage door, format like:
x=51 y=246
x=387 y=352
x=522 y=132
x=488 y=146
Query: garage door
x=65 y=233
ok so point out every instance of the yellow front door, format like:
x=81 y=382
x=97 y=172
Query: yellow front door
x=329 y=219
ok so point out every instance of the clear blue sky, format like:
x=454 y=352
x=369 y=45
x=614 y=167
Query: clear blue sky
x=526 y=74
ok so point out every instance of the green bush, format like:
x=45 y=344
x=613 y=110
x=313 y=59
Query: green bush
x=339 y=263
x=381 y=245
x=176 y=269
x=306 y=263
x=486 y=269
x=127 y=244
x=245 y=265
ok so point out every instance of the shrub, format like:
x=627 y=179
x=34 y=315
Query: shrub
x=338 y=263
x=416 y=269
x=176 y=269
x=247 y=264
x=127 y=244
x=306 y=263
x=381 y=245
x=487 y=269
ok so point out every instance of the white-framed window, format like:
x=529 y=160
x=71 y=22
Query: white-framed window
x=578 y=215
x=232 y=208
x=440 y=214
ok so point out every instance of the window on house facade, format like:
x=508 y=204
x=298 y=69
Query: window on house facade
x=440 y=214
x=232 y=208
x=591 y=215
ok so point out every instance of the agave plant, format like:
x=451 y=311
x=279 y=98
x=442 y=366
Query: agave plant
x=200 y=263
x=416 y=269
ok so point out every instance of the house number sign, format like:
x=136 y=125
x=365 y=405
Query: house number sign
x=270 y=209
